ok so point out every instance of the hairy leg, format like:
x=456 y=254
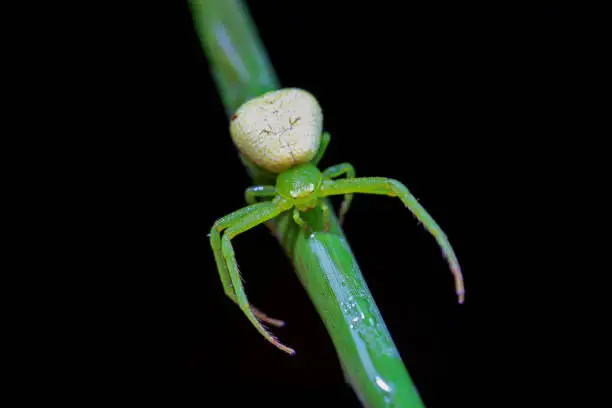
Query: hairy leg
x=338 y=170
x=215 y=243
x=266 y=211
x=393 y=188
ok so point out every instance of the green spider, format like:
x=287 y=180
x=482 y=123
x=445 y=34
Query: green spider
x=281 y=131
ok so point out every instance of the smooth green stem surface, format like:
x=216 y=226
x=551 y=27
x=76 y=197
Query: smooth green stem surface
x=323 y=261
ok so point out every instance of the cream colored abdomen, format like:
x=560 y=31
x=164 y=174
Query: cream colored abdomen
x=279 y=129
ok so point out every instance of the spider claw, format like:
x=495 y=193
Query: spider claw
x=280 y=345
x=267 y=319
x=286 y=349
x=256 y=317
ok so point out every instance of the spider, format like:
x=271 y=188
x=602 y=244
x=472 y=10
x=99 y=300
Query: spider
x=281 y=132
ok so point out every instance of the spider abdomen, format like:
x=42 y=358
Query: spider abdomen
x=279 y=129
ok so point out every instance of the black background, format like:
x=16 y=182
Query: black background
x=461 y=103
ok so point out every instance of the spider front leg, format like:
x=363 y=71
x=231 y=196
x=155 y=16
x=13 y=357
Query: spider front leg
x=393 y=188
x=224 y=274
x=337 y=171
x=262 y=213
x=215 y=243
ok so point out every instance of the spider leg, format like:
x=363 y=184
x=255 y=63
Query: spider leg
x=251 y=194
x=325 y=138
x=337 y=171
x=298 y=219
x=263 y=212
x=393 y=188
x=325 y=210
x=215 y=242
